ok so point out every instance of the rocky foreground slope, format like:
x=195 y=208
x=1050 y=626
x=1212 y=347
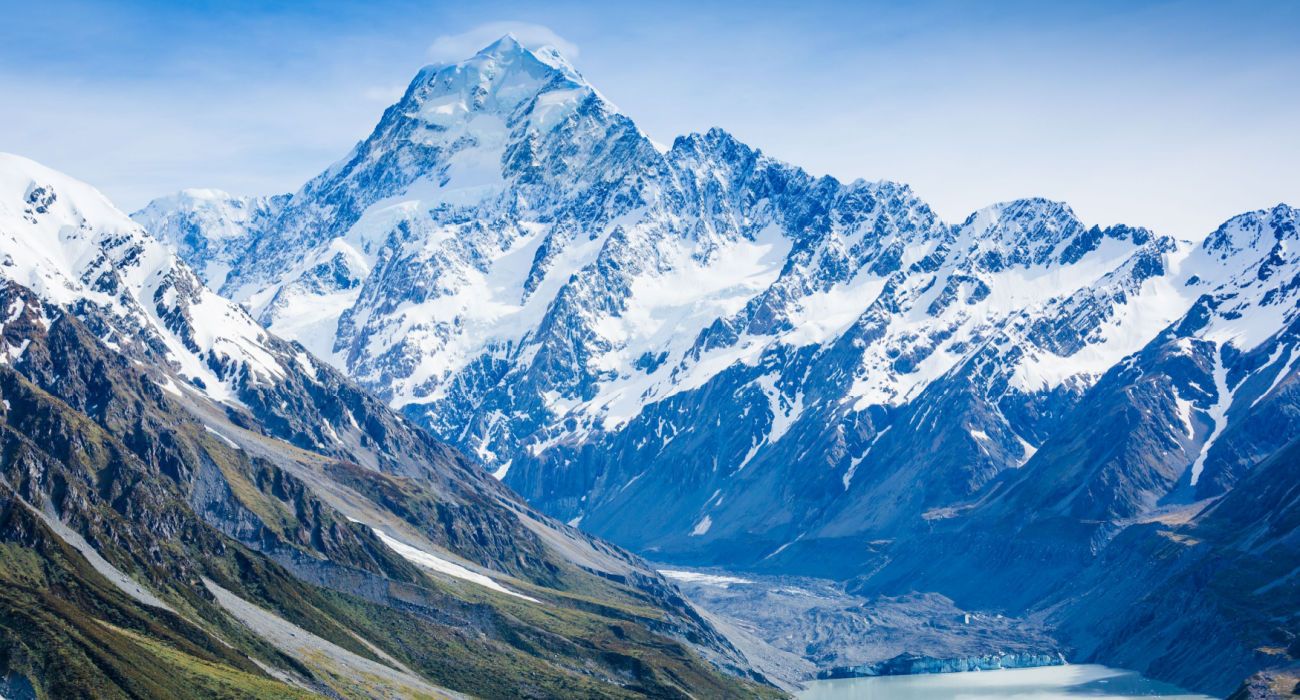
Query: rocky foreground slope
x=716 y=358
x=190 y=506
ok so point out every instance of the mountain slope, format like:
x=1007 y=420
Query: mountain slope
x=192 y=505
x=1227 y=577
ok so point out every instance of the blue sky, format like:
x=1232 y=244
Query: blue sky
x=1173 y=115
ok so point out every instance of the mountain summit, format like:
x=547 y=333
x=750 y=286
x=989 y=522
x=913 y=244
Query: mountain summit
x=782 y=372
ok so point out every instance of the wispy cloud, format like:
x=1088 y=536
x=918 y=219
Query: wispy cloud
x=454 y=47
x=387 y=94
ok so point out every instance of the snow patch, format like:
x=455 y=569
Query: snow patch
x=719 y=580
x=1218 y=413
x=1027 y=450
x=853 y=467
x=442 y=566
x=223 y=438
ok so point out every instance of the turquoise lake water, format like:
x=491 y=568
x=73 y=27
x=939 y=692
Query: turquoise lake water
x=1047 y=683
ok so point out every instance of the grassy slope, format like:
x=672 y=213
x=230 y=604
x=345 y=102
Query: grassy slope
x=87 y=436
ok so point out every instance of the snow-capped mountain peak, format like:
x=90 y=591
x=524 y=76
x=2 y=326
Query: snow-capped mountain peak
x=1247 y=236
x=602 y=321
x=1248 y=269
x=508 y=47
x=501 y=79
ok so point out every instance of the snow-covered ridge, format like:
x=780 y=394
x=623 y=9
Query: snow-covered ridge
x=208 y=228
x=1248 y=266
x=63 y=239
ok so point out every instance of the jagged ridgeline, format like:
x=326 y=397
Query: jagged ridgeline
x=192 y=507
x=713 y=357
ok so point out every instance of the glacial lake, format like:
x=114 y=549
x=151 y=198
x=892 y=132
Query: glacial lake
x=1045 y=683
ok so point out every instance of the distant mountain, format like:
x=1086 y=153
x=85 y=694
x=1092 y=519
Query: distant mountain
x=190 y=506
x=209 y=227
x=713 y=357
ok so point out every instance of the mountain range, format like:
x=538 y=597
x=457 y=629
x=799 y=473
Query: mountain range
x=704 y=355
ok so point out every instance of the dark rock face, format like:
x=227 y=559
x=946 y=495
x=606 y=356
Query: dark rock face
x=1226 y=576
x=240 y=506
